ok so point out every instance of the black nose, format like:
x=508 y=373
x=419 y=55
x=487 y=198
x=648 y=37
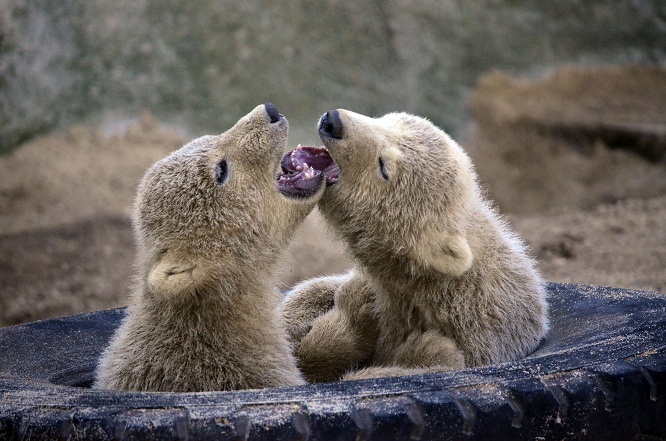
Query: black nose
x=330 y=125
x=272 y=111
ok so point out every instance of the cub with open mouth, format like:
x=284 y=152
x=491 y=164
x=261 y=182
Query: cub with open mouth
x=440 y=282
x=211 y=223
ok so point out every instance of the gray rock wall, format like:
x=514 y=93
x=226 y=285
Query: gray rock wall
x=201 y=64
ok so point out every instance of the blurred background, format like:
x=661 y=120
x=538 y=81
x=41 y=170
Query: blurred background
x=561 y=105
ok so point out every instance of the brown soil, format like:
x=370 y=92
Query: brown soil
x=622 y=244
x=590 y=213
x=541 y=144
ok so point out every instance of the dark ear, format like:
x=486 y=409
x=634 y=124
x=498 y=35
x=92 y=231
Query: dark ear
x=171 y=276
x=447 y=253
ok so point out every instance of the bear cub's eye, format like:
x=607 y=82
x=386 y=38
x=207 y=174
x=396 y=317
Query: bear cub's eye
x=382 y=169
x=221 y=172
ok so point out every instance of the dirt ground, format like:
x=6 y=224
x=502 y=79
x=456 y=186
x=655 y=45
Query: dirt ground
x=576 y=161
x=572 y=159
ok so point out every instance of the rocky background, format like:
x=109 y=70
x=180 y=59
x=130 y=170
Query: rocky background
x=562 y=106
x=199 y=65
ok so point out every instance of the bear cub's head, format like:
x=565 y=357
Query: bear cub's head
x=403 y=192
x=214 y=208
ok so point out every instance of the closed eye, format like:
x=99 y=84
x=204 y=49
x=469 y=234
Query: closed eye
x=221 y=172
x=382 y=169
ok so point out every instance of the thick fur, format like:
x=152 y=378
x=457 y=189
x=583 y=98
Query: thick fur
x=449 y=285
x=332 y=324
x=202 y=312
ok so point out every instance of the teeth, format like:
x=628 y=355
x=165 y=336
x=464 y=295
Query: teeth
x=306 y=166
x=299 y=147
x=299 y=168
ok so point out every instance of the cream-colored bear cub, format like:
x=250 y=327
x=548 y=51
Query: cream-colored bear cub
x=440 y=280
x=210 y=222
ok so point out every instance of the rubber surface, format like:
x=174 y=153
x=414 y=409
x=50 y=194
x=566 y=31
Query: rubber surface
x=601 y=375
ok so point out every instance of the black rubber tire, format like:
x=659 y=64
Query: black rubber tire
x=601 y=375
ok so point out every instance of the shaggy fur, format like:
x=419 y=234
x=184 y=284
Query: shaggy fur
x=209 y=234
x=439 y=273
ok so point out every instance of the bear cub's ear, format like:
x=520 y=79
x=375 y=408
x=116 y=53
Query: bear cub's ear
x=447 y=253
x=171 y=276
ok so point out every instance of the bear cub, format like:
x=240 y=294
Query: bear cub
x=210 y=222
x=440 y=281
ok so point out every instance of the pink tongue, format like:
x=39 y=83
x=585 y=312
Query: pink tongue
x=316 y=158
x=299 y=184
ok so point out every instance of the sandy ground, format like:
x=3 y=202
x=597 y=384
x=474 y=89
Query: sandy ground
x=592 y=209
x=576 y=160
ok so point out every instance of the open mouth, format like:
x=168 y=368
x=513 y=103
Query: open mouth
x=303 y=169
